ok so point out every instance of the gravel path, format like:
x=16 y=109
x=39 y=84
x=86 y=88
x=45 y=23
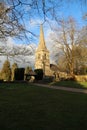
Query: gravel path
x=63 y=88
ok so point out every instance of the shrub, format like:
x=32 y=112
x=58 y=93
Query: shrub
x=14 y=66
x=28 y=70
x=19 y=74
x=39 y=74
x=6 y=71
x=1 y=80
x=81 y=78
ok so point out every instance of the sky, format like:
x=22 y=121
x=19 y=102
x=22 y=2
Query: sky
x=74 y=8
x=63 y=8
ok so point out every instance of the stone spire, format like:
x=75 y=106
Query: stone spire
x=42 y=45
x=42 y=60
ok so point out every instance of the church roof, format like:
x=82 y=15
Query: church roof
x=54 y=67
x=42 y=45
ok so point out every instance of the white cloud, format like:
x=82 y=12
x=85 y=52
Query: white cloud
x=29 y=59
x=34 y=22
x=25 y=53
x=10 y=42
x=51 y=45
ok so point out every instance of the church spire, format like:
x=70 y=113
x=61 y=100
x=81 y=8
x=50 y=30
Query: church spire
x=42 y=60
x=42 y=45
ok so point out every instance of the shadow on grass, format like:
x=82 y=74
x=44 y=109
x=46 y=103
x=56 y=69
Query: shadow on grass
x=26 y=107
x=70 y=84
x=62 y=83
x=15 y=84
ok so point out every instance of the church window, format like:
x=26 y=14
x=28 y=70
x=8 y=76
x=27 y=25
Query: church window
x=44 y=56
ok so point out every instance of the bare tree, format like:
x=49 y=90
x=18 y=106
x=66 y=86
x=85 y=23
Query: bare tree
x=21 y=54
x=15 y=13
x=9 y=25
x=68 y=41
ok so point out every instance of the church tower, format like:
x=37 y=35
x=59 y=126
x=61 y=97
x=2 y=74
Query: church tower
x=42 y=55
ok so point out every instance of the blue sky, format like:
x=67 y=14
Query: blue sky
x=74 y=8
x=63 y=8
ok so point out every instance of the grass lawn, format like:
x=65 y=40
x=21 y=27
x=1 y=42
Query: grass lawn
x=72 y=84
x=27 y=107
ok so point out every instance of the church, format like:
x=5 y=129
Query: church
x=42 y=60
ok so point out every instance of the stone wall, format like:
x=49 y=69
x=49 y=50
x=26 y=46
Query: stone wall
x=81 y=78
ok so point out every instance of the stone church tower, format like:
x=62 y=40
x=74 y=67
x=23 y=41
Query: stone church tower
x=42 y=60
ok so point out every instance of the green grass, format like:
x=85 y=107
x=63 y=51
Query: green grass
x=27 y=107
x=72 y=84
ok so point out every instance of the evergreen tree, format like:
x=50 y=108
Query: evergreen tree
x=27 y=70
x=14 y=67
x=6 y=71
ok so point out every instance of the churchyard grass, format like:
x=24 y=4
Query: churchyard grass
x=28 y=107
x=70 y=83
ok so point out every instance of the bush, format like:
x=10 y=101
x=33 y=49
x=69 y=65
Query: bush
x=1 y=80
x=39 y=74
x=81 y=78
x=6 y=71
x=19 y=74
x=14 y=66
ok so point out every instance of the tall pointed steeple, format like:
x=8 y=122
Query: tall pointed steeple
x=42 y=60
x=42 y=45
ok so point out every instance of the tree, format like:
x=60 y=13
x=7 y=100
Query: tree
x=6 y=71
x=19 y=74
x=85 y=17
x=15 y=13
x=68 y=42
x=81 y=50
x=9 y=25
x=14 y=67
x=39 y=74
x=27 y=73
x=21 y=54
x=28 y=70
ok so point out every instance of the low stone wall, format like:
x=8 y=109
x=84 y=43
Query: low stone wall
x=81 y=78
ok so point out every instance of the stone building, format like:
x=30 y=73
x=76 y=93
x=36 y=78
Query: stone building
x=42 y=60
